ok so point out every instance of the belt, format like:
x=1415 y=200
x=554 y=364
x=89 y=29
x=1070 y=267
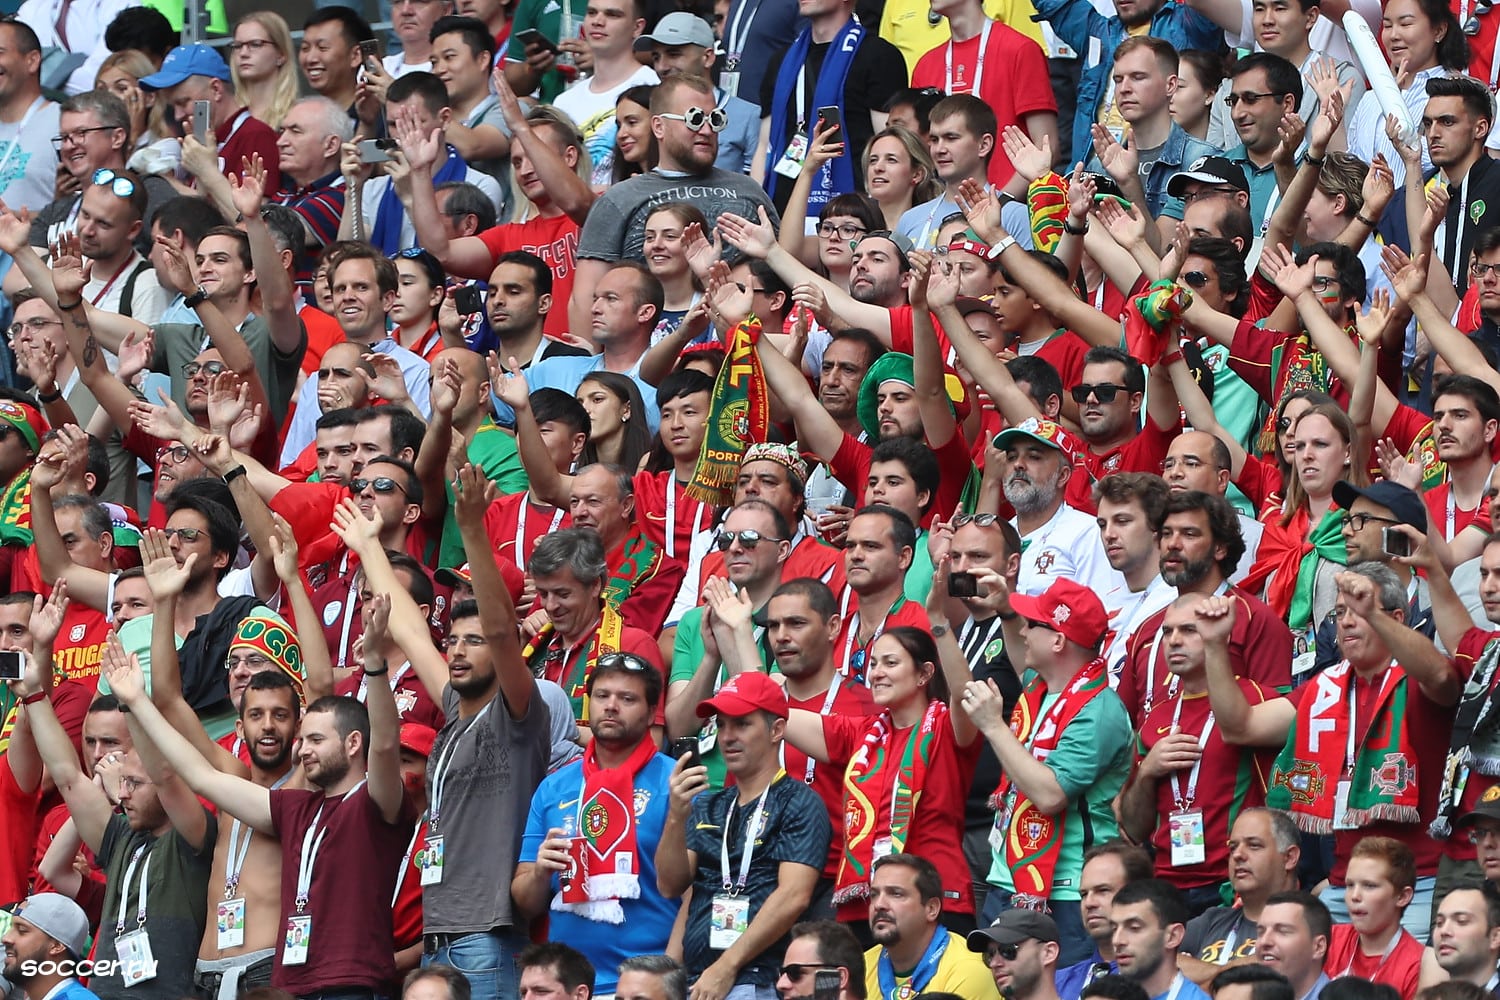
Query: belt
x=221 y=978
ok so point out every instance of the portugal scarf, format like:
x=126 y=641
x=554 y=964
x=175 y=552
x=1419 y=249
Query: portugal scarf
x=1383 y=785
x=15 y=511
x=837 y=175
x=741 y=414
x=1475 y=742
x=1034 y=839
x=637 y=560
x=574 y=680
x=605 y=862
x=868 y=774
x=1289 y=555
x=1295 y=365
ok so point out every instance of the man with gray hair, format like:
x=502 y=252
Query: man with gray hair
x=652 y=977
x=578 y=622
x=308 y=145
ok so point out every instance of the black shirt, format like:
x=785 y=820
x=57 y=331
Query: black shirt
x=1475 y=204
x=983 y=643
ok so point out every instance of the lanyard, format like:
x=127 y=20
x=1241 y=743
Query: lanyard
x=1151 y=660
x=984 y=46
x=1385 y=956
x=854 y=634
x=812 y=765
x=1177 y=982
x=395 y=679
x=753 y=827
x=739 y=26
x=113 y=278
x=557 y=517
x=411 y=849
x=1265 y=218
x=1184 y=798
x=1353 y=715
x=1451 y=502
x=672 y=487
x=348 y=618
x=237 y=849
x=1230 y=939
x=1457 y=243
x=140 y=906
x=440 y=769
x=312 y=844
x=15 y=142
x=802 y=98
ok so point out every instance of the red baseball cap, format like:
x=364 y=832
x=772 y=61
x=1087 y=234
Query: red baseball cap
x=417 y=738
x=1067 y=607
x=742 y=694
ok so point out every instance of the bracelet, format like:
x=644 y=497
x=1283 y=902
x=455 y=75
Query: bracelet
x=1168 y=359
x=1360 y=216
x=197 y=298
x=32 y=699
x=1000 y=248
x=50 y=397
x=234 y=473
x=69 y=306
x=1316 y=161
x=1068 y=227
x=377 y=673
x=1009 y=616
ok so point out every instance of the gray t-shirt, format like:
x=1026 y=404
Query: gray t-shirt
x=487 y=780
x=179 y=343
x=616 y=226
x=1219 y=935
x=28 y=163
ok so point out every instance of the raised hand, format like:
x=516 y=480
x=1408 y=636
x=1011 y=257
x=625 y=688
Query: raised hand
x=354 y=171
x=165 y=421
x=1378 y=189
x=123 y=671
x=1030 y=160
x=135 y=353
x=361 y=534
x=69 y=272
x=15 y=229
x=473 y=493
x=1395 y=466
x=754 y=239
x=1408 y=276
x=1293 y=279
x=247 y=191
x=824 y=148
x=176 y=272
x=165 y=577
x=1126 y=227
x=1371 y=323
x=510 y=384
x=1358 y=592
x=388 y=382
x=942 y=286
x=732 y=609
x=376 y=614
x=47 y=616
x=447 y=386
x=1409 y=151
x=1289 y=132
x=700 y=253
x=228 y=395
x=1215 y=616
x=1081 y=191
x=283 y=546
x=1438 y=197
x=730 y=301
x=982 y=209
x=1120 y=159
x=1330 y=116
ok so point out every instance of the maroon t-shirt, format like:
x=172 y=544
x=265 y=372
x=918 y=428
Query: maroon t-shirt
x=413 y=703
x=351 y=944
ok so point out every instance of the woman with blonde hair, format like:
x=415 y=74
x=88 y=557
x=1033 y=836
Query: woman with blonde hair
x=262 y=64
x=899 y=173
x=154 y=145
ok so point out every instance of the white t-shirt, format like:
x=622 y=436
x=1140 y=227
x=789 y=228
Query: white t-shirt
x=594 y=113
x=397 y=69
x=147 y=297
x=1127 y=610
x=1066 y=547
x=28 y=163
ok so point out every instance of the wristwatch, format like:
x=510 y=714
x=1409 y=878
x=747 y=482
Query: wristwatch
x=197 y=298
x=938 y=631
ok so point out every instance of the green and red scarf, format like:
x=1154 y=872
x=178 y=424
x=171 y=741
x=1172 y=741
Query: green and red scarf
x=15 y=511
x=637 y=560
x=1033 y=838
x=1287 y=563
x=1295 y=365
x=1383 y=785
x=575 y=679
x=740 y=409
x=604 y=856
x=865 y=779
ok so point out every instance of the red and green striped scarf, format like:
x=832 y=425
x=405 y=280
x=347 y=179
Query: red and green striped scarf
x=638 y=561
x=15 y=511
x=864 y=780
x=741 y=415
x=1308 y=770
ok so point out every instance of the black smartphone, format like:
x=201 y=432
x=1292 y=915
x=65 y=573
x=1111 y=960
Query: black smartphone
x=830 y=115
x=468 y=300
x=687 y=746
x=531 y=37
x=963 y=585
x=1395 y=542
x=12 y=665
x=826 y=984
x=369 y=49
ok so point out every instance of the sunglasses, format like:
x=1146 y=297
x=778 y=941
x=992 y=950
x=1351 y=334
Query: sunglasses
x=717 y=119
x=186 y=534
x=1105 y=392
x=981 y=520
x=119 y=184
x=1249 y=97
x=748 y=539
x=209 y=368
x=1195 y=279
x=410 y=253
x=797 y=971
x=624 y=661
x=380 y=484
x=1005 y=951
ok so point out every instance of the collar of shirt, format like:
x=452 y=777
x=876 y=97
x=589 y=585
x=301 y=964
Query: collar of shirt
x=334 y=179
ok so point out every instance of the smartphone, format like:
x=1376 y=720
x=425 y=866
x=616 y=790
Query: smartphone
x=369 y=49
x=830 y=115
x=468 y=300
x=376 y=150
x=531 y=37
x=12 y=665
x=1395 y=542
x=685 y=746
x=963 y=585
x=826 y=984
x=201 y=121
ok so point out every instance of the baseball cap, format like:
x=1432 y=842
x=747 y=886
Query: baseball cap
x=1488 y=807
x=1013 y=927
x=418 y=738
x=743 y=694
x=903 y=244
x=454 y=576
x=1208 y=170
x=1403 y=503
x=185 y=61
x=1046 y=432
x=1067 y=607
x=59 y=918
x=968 y=304
x=680 y=27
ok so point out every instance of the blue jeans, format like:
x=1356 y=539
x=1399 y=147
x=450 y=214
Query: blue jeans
x=487 y=959
x=1416 y=918
x=1073 y=938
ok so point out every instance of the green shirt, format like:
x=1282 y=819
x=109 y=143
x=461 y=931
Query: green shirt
x=1237 y=406
x=545 y=16
x=919 y=573
x=1091 y=763
x=687 y=653
x=494 y=451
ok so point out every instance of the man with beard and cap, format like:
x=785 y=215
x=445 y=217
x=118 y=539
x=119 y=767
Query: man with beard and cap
x=597 y=885
x=914 y=953
x=47 y=940
x=1021 y=950
x=156 y=853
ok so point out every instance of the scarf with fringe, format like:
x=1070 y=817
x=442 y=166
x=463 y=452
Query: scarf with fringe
x=605 y=861
x=1475 y=743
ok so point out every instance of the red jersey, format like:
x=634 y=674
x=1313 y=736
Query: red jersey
x=21 y=812
x=659 y=499
x=91 y=892
x=1228 y=780
x=1143 y=453
x=936 y=832
x=555 y=240
x=514 y=522
x=413 y=703
x=1064 y=350
x=79 y=648
x=851 y=466
x=1444 y=514
x=244 y=136
x=849 y=658
x=1399 y=969
x=850 y=700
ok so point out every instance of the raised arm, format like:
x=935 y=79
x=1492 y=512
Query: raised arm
x=437 y=440
x=497 y=615
x=567 y=190
x=1240 y=723
x=675 y=864
x=1415 y=652
x=817 y=431
x=281 y=550
x=277 y=296
x=1409 y=280
x=793 y=237
x=67 y=278
x=987 y=370
x=938 y=422
x=85 y=584
x=1200 y=412
x=951 y=659
x=549 y=485
x=179 y=274
x=387 y=790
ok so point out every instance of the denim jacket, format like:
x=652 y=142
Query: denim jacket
x=1178 y=154
x=1095 y=38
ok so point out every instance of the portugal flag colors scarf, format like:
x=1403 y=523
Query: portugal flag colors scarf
x=740 y=415
x=605 y=840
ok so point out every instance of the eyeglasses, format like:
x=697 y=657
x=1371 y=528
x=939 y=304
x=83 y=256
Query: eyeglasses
x=253 y=44
x=981 y=520
x=797 y=971
x=78 y=135
x=1207 y=192
x=252 y=661
x=471 y=641
x=1249 y=97
x=1357 y=522
x=119 y=184
x=177 y=453
x=694 y=119
x=1479 y=270
x=1105 y=392
x=748 y=539
x=1195 y=279
x=1283 y=424
x=36 y=325
x=383 y=485
x=624 y=661
x=845 y=231
x=186 y=534
x=209 y=368
x=1005 y=951
x=1322 y=282
x=133 y=785
x=1483 y=833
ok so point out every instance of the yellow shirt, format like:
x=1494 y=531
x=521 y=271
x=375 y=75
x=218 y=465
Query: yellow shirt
x=959 y=971
x=905 y=25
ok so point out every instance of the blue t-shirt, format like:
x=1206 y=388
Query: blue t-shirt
x=649 y=919
x=568 y=373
